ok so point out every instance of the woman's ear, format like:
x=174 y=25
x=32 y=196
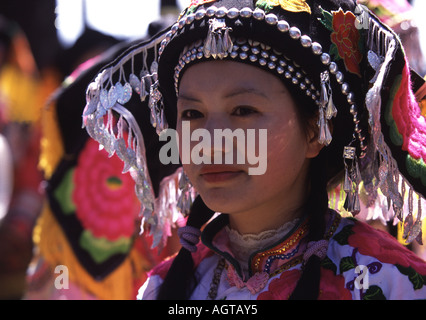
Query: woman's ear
x=313 y=145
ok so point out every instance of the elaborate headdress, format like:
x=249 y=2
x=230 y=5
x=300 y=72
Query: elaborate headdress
x=334 y=56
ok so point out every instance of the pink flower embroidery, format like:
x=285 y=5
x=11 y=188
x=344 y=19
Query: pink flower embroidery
x=332 y=287
x=384 y=247
x=105 y=200
x=281 y=287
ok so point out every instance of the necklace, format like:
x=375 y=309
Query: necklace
x=216 y=279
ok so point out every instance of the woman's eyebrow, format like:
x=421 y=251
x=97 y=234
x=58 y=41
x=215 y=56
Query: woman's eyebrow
x=245 y=90
x=187 y=98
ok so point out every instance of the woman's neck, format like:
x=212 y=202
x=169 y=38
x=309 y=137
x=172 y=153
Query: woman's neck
x=262 y=219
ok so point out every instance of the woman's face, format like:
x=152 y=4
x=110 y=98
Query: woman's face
x=243 y=98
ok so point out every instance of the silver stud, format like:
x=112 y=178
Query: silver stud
x=264 y=54
x=345 y=88
x=199 y=55
x=253 y=58
x=271 y=19
x=283 y=26
x=262 y=62
x=168 y=36
x=351 y=98
x=294 y=33
x=234 y=54
x=246 y=12
x=255 y=50
x=339 y=77
x=280 y=70
x=333 y=67
x=357 y=129
x=325 y=58
x=233 y=13
x=290 y=68
x=294 y=80
x=282 y=63
x=287 y=74
x=271 y=65
x=174 y=28
x=245 y=48
x=308 y=92
x=221 y=12
x=211 y=11
x=273 y=58
x=316 y=48
x=258 y=14
x=302 y=86
x=305 y=41
x=181 y=23
x=190 y=18
x=243 y=55
x=200 y=14
x=356 y=120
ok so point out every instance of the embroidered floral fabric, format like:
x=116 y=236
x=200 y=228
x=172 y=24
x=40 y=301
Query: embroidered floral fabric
x=361 y=264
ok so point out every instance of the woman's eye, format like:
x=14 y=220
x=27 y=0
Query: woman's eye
x=244 y=111
x=191 y=114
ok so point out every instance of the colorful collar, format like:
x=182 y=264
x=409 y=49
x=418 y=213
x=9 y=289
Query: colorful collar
x=267 y=259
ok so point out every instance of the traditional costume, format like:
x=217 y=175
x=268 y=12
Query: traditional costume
x=335 y=57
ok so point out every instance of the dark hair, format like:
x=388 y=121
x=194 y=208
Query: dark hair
x=180 y=282
x=316 y=206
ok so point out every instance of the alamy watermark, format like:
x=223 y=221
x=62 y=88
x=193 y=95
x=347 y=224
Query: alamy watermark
x=362 y=280
x=214 y=149
x=62 y=279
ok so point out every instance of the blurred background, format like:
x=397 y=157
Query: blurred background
x=49 y=52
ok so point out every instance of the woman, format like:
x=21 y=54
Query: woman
x=318 y=76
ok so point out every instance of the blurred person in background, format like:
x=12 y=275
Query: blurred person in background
x=20 y=96
x=86 y=248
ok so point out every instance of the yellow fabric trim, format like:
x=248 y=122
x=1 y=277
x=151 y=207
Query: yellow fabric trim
x=51 y=146
x=119 y=285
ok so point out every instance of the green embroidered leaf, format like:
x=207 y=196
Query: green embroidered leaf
x=327 y=21
x=334 y=52
x=346 y=264
x=326 y=263
x=343 y=235
x=415 y=278
x=263 y=4
x=101 y=248
x=374 y=293
x=63 y=193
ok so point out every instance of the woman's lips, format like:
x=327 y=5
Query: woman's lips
x=217 y=174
